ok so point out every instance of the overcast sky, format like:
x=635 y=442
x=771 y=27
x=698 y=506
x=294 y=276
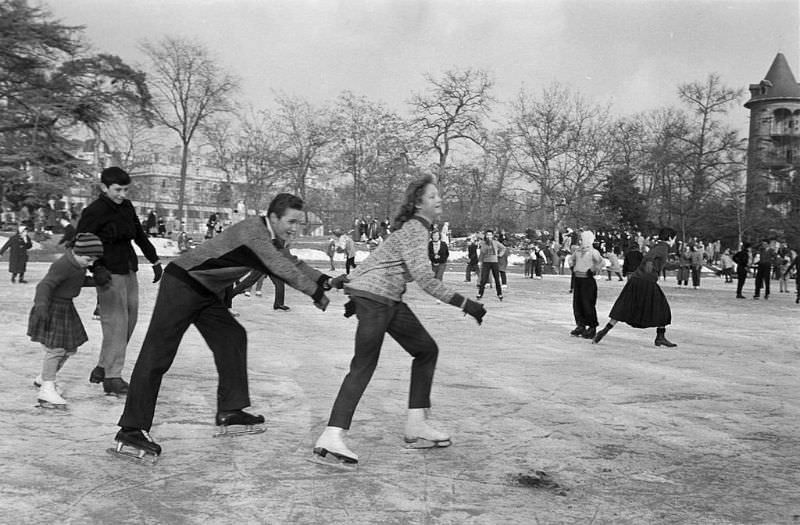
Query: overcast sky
x=632 y=54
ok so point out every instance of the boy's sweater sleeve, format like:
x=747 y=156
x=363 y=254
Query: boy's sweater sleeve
x=285 y=266
x=315 y=275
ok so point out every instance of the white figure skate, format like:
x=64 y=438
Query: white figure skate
x=419 y=434
x=331 y=450
x=49 y=398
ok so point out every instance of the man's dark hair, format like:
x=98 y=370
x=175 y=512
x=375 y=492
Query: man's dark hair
x=488 y=231
x=114 y=175
x=282 y=202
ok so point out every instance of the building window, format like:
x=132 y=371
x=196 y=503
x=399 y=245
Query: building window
x=789 y=155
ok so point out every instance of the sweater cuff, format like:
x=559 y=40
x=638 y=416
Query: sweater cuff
x=322 y=282
x=318 y=294
x=458 y=300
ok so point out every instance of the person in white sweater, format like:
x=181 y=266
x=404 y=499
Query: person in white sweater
x=586 y=263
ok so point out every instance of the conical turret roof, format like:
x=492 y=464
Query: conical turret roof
x=779 y=83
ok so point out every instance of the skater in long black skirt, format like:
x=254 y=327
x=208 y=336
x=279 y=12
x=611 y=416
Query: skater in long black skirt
x=376 y=291
x=641 y=303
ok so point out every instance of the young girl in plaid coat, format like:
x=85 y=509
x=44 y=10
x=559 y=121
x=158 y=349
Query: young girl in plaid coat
x=53 y=320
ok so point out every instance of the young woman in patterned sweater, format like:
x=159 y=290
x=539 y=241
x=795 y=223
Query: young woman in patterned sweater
x=376 y=291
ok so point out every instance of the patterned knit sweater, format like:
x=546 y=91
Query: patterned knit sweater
x=400 y=259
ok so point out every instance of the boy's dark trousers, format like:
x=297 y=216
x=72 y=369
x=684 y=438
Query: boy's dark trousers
x=495 y=270
x=280 y=291
x=179 y=305
x=350 y=262
x=471 y=268
x=763 y=275
x=741 y=277
x=584 y=301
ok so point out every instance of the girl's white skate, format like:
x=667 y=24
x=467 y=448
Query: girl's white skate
x=330 y=449
x=419 y=434
x=49 y=398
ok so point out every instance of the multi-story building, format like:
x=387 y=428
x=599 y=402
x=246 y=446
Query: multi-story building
x=773 y=155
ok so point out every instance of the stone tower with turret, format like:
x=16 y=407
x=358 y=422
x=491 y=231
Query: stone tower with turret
x=773 y=153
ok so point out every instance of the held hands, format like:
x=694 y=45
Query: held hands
x=157 y=272
x=475 y=309
x=101 y=276
x=339 y=282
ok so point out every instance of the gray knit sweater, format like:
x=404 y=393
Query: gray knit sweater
x=400 y=259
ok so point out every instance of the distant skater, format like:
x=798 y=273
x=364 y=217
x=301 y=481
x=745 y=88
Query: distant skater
x=641 y=303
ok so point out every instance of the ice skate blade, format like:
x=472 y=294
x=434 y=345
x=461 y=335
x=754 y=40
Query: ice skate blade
x=422 y=443
x=238 y=430
x=140 y=457
x=50 y=406
x=117 y=395
x=326 y=457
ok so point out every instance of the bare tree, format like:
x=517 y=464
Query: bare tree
x=452 y=111
x=301 y=131
x=561 y=146
x=188 y=87
x=374 y=147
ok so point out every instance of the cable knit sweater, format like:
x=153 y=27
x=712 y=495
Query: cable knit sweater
x=400 y=259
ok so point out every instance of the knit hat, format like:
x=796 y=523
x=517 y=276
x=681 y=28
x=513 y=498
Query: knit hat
x=88 y=244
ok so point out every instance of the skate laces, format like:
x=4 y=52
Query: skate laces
x=146 y=435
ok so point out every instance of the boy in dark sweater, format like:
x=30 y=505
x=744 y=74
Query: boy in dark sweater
x=192 y=292
x=113 y=218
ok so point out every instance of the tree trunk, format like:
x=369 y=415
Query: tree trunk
x=182 y=189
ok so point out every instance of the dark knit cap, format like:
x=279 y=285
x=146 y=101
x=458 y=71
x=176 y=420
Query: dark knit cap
x=88 y=244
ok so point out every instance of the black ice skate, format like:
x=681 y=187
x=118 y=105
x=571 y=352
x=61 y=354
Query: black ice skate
x=116 y=386
x=232 y=423
x=97 y=375
x=138 y=440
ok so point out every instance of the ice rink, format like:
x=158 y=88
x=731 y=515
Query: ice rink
x=546 y=428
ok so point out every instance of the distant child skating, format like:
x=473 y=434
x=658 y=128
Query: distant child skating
x=53 y=320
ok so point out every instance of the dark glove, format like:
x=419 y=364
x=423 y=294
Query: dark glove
x=39 y=314
x=338 y=282
x=157 y=272
x=589 y=273
x=349 y=308
x=324 y=282
x=320 y=301
x=475 y=309
x=101 y=276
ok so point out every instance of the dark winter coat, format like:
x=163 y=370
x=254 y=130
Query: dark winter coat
x=18 y=246
x=439 y=256
x=116 y=225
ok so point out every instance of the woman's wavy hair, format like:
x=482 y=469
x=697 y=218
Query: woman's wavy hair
x=413 y=196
